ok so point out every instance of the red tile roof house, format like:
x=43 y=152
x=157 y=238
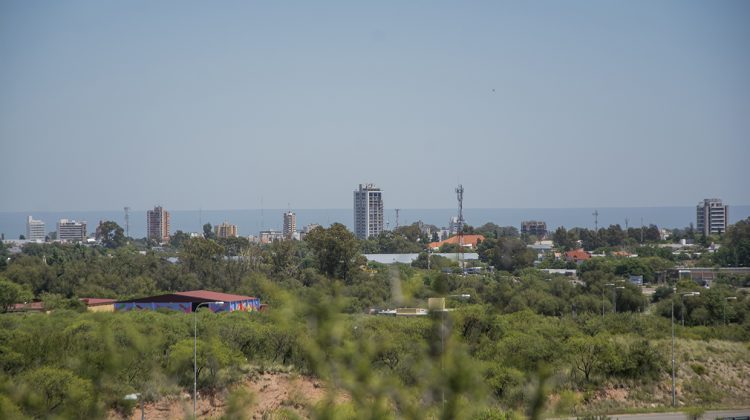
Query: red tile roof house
x=470 y=241
x=189 y=301
x=577 y=256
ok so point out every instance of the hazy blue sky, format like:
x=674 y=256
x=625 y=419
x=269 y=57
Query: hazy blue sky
x=214 y=105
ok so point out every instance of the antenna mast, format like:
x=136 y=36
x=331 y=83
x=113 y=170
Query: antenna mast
x=460 y=223
x=127 y=222
x=596 y=220
x=397 y=210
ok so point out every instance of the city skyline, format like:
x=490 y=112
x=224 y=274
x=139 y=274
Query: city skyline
x=528 y=105
x=250 y=222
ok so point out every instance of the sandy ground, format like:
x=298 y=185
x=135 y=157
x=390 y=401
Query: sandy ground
x=270 y=392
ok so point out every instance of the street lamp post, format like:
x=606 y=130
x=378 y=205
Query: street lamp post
x=195 y=353
x=674 y=378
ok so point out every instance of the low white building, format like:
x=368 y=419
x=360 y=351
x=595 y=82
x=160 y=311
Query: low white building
x=410 y=258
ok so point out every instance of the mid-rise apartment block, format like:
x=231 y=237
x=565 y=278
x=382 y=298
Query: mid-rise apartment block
x=368 y=211
x=290 y=224
x=268 y=236
x=712 y=216
x=534 y=228
x=35 y=230
x=225 y=230
x=71 y=231
x=157 y=224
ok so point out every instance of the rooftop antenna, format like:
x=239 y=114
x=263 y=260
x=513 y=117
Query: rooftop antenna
x=127 y=222
x=596 y=220
x=397 y=210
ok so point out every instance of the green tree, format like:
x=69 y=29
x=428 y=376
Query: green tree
x=3 y=256
x=736 y=245
x=12 y=293
x=564 y=239
x=336 y=250
x=506 y=253
x=234 y=246
x=491 y=230
x=53 y=392
x=213 y=357
x=178 y=238
x=199 y=254
x=110 y=234
x=208 y=231
x=590 y=355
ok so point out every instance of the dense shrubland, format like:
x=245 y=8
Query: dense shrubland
x=520 y=336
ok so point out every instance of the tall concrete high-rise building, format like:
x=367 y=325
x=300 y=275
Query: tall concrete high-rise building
x=290 y=224
x=157 y=224
x=368 y=211
x=71 y=231
x=35 y=230
x=225 y=230
x=712 y=216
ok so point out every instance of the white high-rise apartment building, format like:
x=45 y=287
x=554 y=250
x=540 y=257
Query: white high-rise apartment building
x=35 y=230
x=71 y=231
x=368 y=211
x=712 y=216
x=290 y=224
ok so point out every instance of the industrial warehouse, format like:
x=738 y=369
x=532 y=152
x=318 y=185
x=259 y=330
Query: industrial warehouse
x=190 y=300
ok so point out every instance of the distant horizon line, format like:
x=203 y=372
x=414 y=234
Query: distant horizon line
x=348 y=208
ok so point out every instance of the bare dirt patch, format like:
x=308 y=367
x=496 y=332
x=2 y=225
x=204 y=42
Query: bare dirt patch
x=270 y=392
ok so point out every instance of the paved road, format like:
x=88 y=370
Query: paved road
x=708 y=415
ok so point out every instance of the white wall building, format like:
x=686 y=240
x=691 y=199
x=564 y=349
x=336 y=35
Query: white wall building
x=712 y=216
x=35 y=230
x=368 y=211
